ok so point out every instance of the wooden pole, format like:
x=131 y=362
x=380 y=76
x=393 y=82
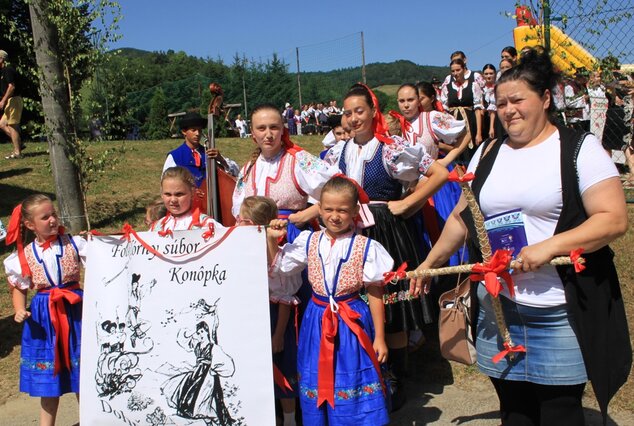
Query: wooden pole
x=212 y=187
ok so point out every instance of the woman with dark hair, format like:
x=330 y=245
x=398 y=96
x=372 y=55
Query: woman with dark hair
x=491 y=125
x=510 y=53
x=380 y=164
x=564 y=194
x=462 y=96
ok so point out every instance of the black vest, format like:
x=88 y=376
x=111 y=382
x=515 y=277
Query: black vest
x=594 y=295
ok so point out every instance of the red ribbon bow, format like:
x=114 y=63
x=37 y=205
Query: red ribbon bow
x=128 y=232
x=165 y=233
x=491 y=270
x=280 y=380
x=406 y=126
x=210 y=232
x=399 y=274
x=326 y=366
x=47 y=244
x=14 y=235
x=576 y=258
x=507 y=350
x=60 y=322
x=455 y=177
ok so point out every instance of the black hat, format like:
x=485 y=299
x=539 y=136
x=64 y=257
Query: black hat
x=192 y=119
x=434 y=80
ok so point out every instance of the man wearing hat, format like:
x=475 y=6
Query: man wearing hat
x=11 y=105
x=192 y=155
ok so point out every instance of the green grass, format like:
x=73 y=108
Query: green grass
x=121 y=194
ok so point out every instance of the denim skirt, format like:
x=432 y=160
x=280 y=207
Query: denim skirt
x=552 y=356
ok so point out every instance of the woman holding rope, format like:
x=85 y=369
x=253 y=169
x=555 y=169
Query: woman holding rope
x=572 y=326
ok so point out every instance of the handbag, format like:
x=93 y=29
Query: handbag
x=454 y=324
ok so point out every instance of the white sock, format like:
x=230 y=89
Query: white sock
x=289 y=419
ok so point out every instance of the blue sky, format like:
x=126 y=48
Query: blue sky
x=424 y=32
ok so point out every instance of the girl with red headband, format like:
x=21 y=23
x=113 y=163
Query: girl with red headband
x=51 y=337
x=381 y=165
x=341 y=340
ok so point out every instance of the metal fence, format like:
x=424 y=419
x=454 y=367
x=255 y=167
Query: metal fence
x=592 y=42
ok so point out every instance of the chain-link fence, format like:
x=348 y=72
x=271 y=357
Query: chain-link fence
x=593 y=43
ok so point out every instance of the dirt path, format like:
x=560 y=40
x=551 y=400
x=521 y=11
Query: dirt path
x=432 y=404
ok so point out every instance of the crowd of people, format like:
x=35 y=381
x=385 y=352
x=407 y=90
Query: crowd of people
x=378 y=198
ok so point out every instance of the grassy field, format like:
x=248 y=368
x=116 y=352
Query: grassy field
x=122 y=193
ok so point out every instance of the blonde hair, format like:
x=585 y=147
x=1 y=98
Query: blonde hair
x=155 y=210
x=261 y=210
x=28 y=204
x=180 y=173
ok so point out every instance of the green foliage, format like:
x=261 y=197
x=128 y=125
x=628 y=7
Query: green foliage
x=157 y=126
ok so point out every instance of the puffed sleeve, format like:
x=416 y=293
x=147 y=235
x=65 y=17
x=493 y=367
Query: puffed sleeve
x=82 y=248
x=444 y=94
x=292 y=258
x=404 y=161
x=377 y=262
x=238 y=192
x=282 y=289
x=446 y=127
x=312 y=173
x=477 y=94
x=334 y=154
x=489 y=97
x=14 y=272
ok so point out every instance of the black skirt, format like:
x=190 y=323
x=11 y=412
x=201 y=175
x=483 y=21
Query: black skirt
x=403 y=240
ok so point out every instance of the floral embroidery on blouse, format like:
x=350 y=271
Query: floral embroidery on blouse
x=425 y=164
x=309 y=163
x=442 y=121
x=392 y=152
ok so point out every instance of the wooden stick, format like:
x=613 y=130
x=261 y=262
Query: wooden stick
x=463 y=269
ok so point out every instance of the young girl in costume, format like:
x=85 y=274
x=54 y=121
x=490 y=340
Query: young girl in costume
x=381 y=164
x=177 y=191
x=257 y=210
x=341 y=340
x=51 y=337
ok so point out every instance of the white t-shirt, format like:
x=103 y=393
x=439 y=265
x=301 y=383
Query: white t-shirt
x=530 y=179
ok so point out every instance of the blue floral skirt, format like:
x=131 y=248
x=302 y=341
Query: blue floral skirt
x=37 y=359
x=358 y=395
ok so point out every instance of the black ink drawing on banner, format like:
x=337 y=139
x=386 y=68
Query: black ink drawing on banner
x=201 y=391
x=117 y=365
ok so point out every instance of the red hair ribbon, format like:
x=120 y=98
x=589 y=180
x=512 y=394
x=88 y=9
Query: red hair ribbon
x=14 y=235
x=363 y=196
x=330 y=327
x=59 y=319
x=280 y=380
x=399 y=274
x=577 y=260
x=288 y=143
x=406 y=126
x=379 y=126
x=490 y=271
x=507 y=350
x=455 y=177
x=210 y=232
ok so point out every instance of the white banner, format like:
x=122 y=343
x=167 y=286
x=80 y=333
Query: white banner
x=180 y=336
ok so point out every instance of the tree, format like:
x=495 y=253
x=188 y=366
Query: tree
x=56 y=106
x=157 y=119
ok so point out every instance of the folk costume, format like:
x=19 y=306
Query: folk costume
x=50 y=355
x=381 y=167
x=462 y=101
x=289 y=179
x=428 y=129
x=193 y=219
x=340 y=381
